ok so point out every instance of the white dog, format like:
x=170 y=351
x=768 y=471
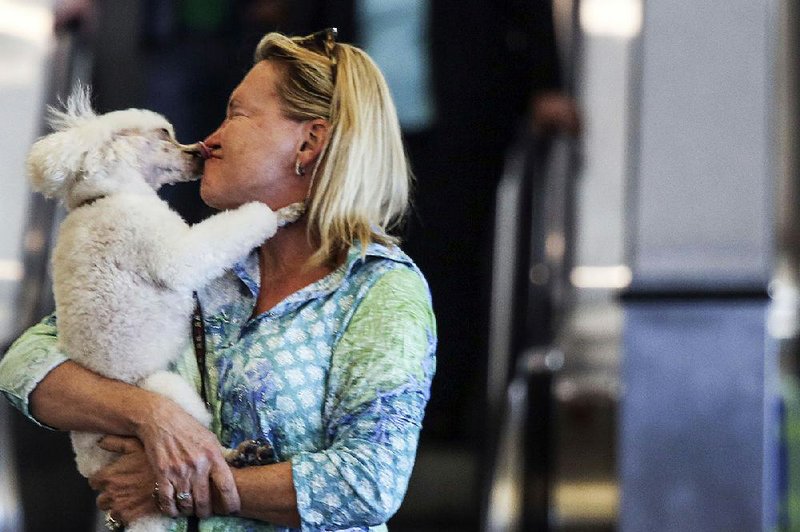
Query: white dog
x=125 y=265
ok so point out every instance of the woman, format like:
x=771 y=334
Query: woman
x=321 y=342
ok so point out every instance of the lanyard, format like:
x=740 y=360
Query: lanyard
x=199 y=341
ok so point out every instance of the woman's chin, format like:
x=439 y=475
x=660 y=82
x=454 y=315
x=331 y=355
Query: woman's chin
x=210 y=196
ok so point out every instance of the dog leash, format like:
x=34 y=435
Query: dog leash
x=199 y=341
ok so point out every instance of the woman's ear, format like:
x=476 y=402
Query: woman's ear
x=315 y=136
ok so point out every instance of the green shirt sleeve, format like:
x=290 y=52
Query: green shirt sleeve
x=388 y=343
x=27 y=362
x=378 y=386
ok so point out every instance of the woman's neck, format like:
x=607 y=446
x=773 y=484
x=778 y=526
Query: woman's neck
x=283 y=265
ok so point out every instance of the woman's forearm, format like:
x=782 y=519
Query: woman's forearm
x=185 y=456
x=71 y=397
x=267 y=493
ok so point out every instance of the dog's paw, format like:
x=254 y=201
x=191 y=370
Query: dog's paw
x=251 y=453
x=291 y=213
x=263 y=220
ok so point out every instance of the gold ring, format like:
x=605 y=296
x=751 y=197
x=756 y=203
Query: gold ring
x=156 y=493
x=113 y=524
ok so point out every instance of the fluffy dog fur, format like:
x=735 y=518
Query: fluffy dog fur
x=125 y=265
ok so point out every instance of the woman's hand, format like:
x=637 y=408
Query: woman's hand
x=125 y=485
x=186 y=458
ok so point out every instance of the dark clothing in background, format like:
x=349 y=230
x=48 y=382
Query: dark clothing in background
x=488 y=59
x=194 y=53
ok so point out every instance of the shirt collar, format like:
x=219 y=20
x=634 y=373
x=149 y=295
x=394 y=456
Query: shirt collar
x=247 y=270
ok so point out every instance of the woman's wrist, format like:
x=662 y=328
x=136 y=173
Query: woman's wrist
x=141 y=406
x=152 y=415
x=217 y=506
x=267 y=493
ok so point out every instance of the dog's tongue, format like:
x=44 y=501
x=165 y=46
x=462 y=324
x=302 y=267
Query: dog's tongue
x=205 y=152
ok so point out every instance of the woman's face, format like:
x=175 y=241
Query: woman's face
x=253 y=152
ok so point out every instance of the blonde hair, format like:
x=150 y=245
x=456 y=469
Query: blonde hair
x=361 y=181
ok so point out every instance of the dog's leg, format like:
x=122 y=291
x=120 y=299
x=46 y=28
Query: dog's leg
x=214 y=244
x=180 y=391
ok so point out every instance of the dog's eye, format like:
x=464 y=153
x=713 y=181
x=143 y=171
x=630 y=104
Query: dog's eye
x=165 y=132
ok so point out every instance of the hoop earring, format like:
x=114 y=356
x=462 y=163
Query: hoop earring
x=299 y=170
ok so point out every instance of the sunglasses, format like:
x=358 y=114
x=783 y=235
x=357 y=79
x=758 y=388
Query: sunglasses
x=323 y=42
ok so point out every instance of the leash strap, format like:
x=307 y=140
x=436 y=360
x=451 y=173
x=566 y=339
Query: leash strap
x=199 y=341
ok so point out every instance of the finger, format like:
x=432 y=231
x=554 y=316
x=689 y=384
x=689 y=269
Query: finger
x=184 y=501
x=200 y=492
x=97 y=482
x=155 y=494
x=223 y=481
x=166 y=501
x=119 y=444
x=103 y=502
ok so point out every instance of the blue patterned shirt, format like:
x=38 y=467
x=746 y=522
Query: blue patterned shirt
x=336 y=376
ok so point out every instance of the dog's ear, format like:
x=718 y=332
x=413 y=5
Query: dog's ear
x=51 y=163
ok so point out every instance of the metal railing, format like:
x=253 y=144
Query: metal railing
x=530 y=297
x=70 y=61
